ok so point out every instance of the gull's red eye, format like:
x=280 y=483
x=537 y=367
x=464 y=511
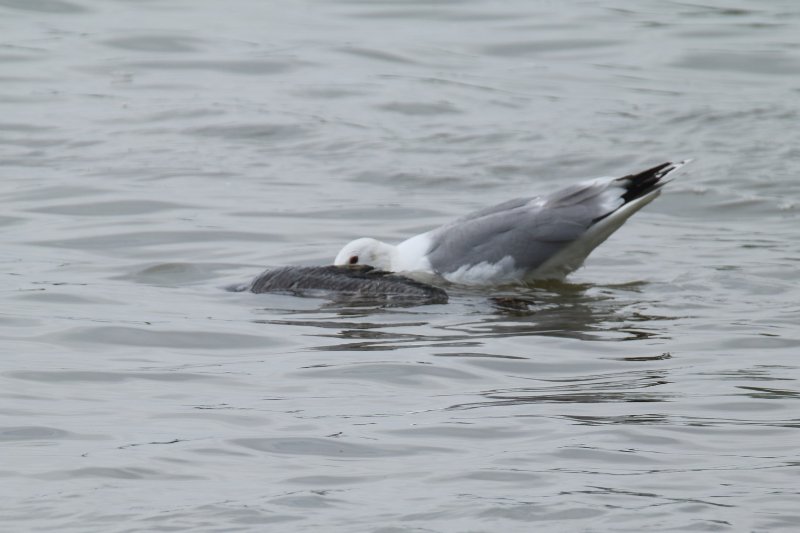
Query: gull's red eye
x=353 y=259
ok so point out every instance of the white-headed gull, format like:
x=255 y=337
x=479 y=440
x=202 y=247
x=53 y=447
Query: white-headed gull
x=540 y=237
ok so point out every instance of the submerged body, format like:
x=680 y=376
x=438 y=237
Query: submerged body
x=525 y=239
x=352 y=283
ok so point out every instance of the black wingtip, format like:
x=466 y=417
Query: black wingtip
x=645 y=182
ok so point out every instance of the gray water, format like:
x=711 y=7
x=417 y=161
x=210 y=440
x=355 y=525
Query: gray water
x=154 y=152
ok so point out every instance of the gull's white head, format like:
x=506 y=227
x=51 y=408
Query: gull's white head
x=366 y=251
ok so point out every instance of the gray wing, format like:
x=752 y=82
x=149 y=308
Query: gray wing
x=532 y=230
x=529 y=230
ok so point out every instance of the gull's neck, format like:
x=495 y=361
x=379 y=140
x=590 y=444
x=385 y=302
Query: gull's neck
x=389 y=255
x=410 y=255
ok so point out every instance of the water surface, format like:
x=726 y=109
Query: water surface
x=153 y=153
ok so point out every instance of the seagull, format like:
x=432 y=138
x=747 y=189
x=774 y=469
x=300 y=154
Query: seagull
x=521 y=240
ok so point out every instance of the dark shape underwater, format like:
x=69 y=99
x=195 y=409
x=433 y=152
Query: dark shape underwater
x=352 y=283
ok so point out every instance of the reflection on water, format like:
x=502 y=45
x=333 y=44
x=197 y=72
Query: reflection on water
x=583 y=312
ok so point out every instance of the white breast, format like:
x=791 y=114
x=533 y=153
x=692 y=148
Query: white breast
x=485 y=273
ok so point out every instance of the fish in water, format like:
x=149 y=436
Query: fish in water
x=354 y=283
x=522 y=240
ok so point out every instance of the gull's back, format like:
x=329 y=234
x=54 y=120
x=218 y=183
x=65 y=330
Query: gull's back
x=540 y=237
